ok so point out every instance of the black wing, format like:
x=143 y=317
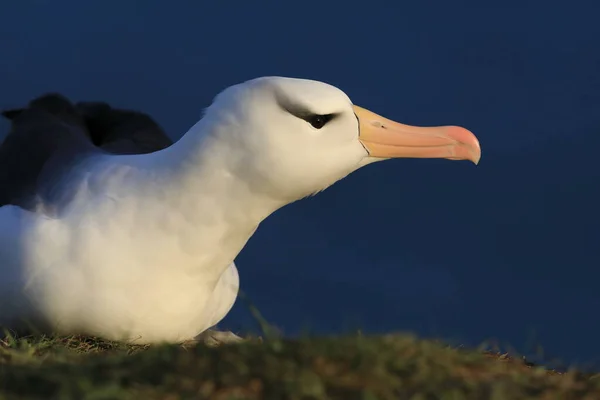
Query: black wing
x=51 y=134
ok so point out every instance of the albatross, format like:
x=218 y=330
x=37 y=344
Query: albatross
x=107 y=228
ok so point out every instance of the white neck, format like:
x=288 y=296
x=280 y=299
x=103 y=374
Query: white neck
x=199 y=182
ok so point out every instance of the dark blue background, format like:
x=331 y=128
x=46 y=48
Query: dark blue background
x=507 y=250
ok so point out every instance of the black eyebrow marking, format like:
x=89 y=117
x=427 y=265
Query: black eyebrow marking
x=300 y=110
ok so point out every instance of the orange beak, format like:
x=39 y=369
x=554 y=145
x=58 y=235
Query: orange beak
x=384 y=138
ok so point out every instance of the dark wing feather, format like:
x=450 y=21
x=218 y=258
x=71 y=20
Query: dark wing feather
x=51 y=134
x=122 y=131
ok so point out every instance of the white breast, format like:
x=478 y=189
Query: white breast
x=133 y=267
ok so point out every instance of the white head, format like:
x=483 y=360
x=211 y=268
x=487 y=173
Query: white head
x=294 y=137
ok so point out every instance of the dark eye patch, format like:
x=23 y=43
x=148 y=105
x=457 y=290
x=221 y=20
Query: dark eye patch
x=318 y=120
x=300 y=111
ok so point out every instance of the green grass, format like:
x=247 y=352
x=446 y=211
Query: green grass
x=349 y=367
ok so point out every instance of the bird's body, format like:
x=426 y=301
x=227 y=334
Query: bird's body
x=124 y=244
x=140 y=246
x=124 y=266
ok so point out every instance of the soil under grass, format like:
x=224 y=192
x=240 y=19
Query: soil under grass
x=351 y=367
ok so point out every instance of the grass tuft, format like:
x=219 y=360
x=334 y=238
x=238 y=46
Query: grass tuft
x=394 y=366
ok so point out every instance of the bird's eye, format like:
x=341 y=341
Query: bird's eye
x=319 y=121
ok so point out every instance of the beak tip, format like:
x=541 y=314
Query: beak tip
x=469 y=140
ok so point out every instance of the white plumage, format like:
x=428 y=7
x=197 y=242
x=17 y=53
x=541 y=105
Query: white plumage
x=141 y=247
